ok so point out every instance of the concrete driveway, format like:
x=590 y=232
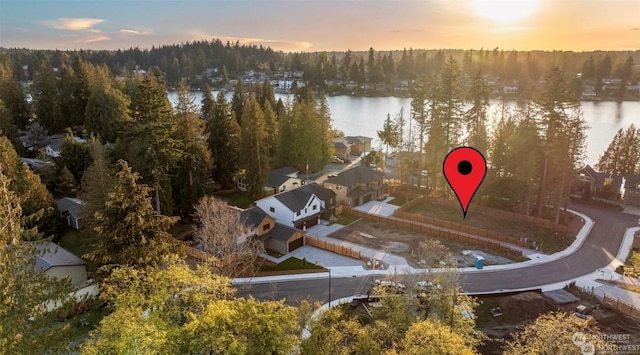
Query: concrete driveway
x=381 y=208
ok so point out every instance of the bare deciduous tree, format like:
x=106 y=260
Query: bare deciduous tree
x=224 y=236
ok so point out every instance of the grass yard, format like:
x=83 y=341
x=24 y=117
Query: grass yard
x=291 y=264
x=486 y=319
x=236 y=198
x=398 y=201
x=346 y=219
x=549 y=241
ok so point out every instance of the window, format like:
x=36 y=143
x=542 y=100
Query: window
x=271 y=209
x=266 y=227
x=315 y=207
x=298 y=213
x=305 y=210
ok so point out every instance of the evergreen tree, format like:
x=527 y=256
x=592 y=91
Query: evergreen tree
x=238 y=101
x=206 y=105
x=34 y=197
x=107 y=112
x=74 y=156
x=421 y=115
x=12 y=95
x=128 y=229
x=388 y=135
x=476 y=116
x=8 y=128
x=25 y=325
x=622 y=156
x=224 y=142
x=156 y=151
x=97 y=181
x=273 y=132
x=82 y=84
x=255 y=148
x=195 y=164
x=66 y=184
x=46 y=98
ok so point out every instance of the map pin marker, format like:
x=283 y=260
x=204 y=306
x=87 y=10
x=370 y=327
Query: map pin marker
x=464 y=168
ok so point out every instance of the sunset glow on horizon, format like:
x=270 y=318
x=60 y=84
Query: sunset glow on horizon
x=326 y=25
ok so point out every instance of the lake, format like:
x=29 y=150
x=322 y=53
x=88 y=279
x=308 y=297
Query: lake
x=365 y=115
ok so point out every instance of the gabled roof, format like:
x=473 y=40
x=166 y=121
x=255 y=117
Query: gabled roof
x=360 y=174
x=281 y=232
x=600 y=178
x=72 y=205
x=295 y=200
x=323 y=193
x=51 y=255
x=275 y=180
x=631 y=180
x=252 y=217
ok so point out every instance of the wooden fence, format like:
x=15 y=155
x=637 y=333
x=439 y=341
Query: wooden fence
x=332 y=247
x=541 y=222
x=621 y=306
x=204 y=256
x=435 y=231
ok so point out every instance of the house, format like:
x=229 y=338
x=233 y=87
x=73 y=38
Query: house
x=593 y=183
x=278 y=180
x=257 y=222
x=57 y=262
x=359 y=144
x=299 y=208
x=283 y=179
x=356 y=186
x=632 y=190
x=275 y=236
x=284 y=239
x=37 y=164
x=342 y=147
x=71 y=209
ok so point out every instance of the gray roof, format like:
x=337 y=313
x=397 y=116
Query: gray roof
x=294 y=199
x=278 y=177
x=281 y=232
x=323 y=193
x=358 y=175
x=287 y=170
x=358 y=139
x=358 y=191
x=630 y=180
x=51 y=255
x=72 y=205
x=601 y=177
x=252 y=217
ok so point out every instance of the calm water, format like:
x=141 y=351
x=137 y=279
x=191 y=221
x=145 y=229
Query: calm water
x=365 y=115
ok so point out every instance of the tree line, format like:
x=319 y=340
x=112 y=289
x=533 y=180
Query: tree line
x=532 y=151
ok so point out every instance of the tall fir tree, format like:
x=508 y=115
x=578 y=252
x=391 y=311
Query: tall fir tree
x=106 y=113
x=255 y=149
x=195 y=164
x=97 y=181
x=66 y=185
x=476 y=116
x=25 y=325
x=12 y=94
x=46 y=98
x=128 y=229
x=224 y=142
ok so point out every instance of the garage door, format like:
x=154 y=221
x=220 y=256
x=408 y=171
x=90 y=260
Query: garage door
x=296 y=244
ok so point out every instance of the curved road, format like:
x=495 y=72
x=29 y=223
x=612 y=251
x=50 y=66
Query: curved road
x=598 y=249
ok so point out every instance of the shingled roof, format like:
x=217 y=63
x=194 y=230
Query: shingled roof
x=281 y=232
x=358 y=175
x=295 y=199
x=630 y=180
x=600 y=178
x=252 y=217
x=323 y=193
x=50 y=255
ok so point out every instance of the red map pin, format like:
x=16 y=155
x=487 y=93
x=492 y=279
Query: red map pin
x=464 y=168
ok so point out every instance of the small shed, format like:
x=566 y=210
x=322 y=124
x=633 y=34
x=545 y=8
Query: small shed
x=71 y=210
x=284 y=239
x=57 y=262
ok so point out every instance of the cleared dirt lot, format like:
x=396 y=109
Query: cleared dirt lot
x=406 y=243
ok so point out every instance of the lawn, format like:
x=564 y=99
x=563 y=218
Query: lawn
x=291 y=264
x=547 y=238
x=236 y=198
x=398 y=201
x=485 y=318
x=346 y=219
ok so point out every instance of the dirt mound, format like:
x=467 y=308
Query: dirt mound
x=526 y=305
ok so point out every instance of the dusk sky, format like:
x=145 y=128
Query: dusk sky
x=305 y=25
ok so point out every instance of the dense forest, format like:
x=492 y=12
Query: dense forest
x=215 y=62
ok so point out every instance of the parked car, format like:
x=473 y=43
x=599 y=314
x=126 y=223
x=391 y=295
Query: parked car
x=337 y=160
x=423 y=173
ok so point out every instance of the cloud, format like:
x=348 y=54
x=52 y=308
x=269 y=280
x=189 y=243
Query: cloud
x=73 y=24
x=286 y=46
x=93 y=39
x=635 y=29
x=133 y=32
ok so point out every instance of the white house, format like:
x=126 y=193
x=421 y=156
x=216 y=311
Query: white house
x=299 y=208
x=57 y=262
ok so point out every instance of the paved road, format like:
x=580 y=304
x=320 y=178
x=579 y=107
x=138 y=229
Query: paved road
x=598 y=250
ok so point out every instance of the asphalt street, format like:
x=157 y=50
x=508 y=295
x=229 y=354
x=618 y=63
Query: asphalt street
x=597 y=251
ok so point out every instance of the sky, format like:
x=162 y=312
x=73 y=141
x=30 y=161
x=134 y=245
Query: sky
x=326 y=25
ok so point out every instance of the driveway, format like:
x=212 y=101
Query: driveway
x=381 y=208
x=323 y=257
